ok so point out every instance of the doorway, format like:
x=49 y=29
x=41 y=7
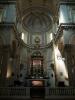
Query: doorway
x=37 y=92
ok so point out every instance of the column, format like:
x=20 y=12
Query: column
x=5 y=61
x=68 y=50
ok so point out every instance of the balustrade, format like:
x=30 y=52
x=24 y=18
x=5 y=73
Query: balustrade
x=60 y=92
x=24 y=92
x=20 y=92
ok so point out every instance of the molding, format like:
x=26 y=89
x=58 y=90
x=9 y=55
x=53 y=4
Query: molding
x=7 y=1
x=70 y=3
x=32 y=47
x=6 y=24
x=67 y=3
x=67 y=25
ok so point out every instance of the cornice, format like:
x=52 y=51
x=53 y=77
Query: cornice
x=32 y=47
x=67 y=3
x=7 y=1
x=63 y=26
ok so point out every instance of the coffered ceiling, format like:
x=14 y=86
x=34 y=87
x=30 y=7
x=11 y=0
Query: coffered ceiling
x=51 y=5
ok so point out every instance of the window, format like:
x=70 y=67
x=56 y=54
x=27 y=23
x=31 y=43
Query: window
x=51 y=36
x=24 y=36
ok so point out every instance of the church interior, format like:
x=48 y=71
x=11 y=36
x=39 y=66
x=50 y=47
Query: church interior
x=37 y=49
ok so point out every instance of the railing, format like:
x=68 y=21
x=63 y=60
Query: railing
x=24 y=92
x=60 y=92
x=18 y=92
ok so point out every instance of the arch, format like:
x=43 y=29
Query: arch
x=40 y=14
